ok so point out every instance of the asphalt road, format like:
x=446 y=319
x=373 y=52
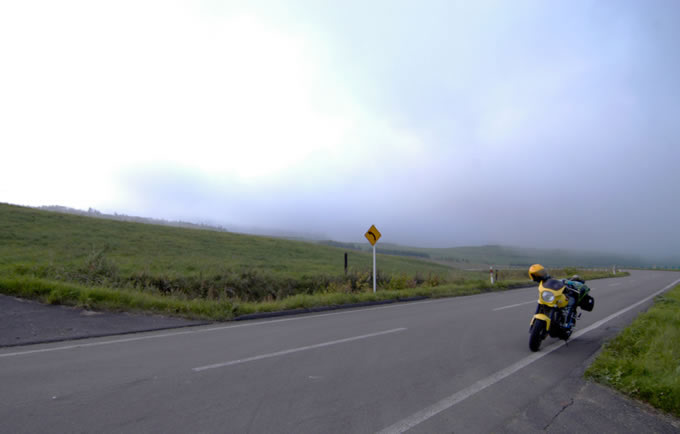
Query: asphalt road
x=448 y=365
x=25 y=322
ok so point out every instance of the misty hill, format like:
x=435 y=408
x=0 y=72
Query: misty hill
x=524 y=257
x=126 y=218
x=56 y=242
x=457 y=257
x=504 y=256
x=271 y=232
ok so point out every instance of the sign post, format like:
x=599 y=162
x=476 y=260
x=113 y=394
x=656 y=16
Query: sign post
x=373 y=235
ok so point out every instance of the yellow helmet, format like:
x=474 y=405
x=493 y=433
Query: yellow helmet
x=538 y=273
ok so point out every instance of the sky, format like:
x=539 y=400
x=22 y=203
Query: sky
x=444 y=123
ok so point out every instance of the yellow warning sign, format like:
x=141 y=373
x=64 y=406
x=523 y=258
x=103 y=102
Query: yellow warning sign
x=373 y=235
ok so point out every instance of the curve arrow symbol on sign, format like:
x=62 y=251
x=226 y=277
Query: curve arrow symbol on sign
x=372 y=235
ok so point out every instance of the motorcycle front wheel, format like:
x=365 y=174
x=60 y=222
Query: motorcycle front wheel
x=536 y=334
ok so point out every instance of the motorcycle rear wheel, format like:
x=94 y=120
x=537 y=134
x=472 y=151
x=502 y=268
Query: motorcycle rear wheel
x=536 y=335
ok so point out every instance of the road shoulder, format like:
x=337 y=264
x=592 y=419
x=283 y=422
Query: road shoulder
x=25 y=322
x=580 y=405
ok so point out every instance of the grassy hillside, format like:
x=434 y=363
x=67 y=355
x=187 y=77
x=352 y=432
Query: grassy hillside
x=504 y=256
x=69 y=247
x=99 y=263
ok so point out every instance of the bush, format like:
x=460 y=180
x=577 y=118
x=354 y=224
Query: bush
x=97 y=269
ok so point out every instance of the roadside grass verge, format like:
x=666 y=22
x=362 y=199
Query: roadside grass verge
x=643 y=361
x=96 y=297
x=460 y=288
x=227 y=308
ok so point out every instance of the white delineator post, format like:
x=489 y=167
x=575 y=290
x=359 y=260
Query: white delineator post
x=373 y=268
x=491 y=274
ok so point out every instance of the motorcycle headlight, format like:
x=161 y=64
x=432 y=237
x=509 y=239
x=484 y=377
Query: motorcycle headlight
x=547 y=296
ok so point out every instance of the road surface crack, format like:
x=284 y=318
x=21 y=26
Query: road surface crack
x=564 y=407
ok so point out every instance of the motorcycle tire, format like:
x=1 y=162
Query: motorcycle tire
x=536 y=335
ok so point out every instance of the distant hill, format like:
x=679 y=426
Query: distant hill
x=268 y=232
x=47 y=241
x=126 y=218
x=504 y=256
x=466 y=257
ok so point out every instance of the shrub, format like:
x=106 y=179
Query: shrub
x=97 y=269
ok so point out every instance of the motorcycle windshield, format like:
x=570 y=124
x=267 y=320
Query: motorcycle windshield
x=553 y=284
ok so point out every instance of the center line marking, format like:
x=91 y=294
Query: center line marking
x=295 y=350
x=446 y=403
x=220 y=328
x=515 y=305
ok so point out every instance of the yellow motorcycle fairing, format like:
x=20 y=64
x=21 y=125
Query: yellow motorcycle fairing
x=556 y=288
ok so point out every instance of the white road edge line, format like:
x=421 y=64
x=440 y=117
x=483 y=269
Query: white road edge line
x=515 y=305
x=295 y=350
x=446 y=403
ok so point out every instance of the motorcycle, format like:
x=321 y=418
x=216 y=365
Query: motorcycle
x=554 y=316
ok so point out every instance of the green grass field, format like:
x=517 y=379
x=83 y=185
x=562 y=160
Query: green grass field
x=643 y=361
x=44 y=238
x=71 y=259
x=86 y=250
